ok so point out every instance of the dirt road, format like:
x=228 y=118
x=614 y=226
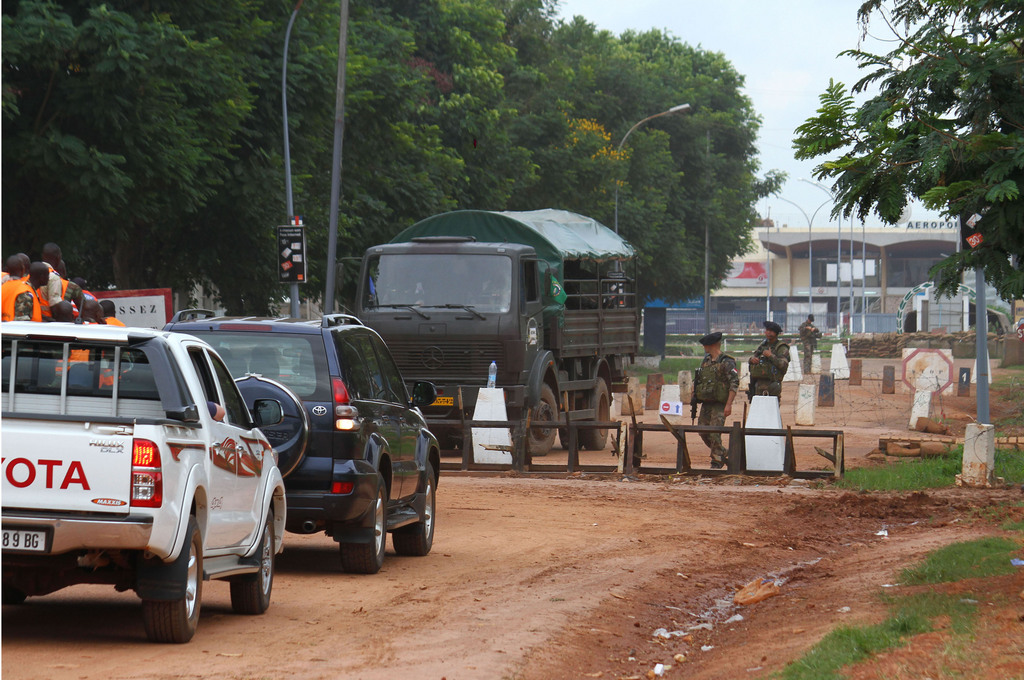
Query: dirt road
x=529 y=579
x=535 y=579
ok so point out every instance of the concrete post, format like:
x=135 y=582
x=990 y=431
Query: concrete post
x=979 y=456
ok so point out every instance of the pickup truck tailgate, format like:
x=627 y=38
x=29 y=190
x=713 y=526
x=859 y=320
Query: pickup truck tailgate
x=66 y=466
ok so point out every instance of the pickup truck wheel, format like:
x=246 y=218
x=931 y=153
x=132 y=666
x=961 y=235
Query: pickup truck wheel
x=416 y=539
x=12 y=595
x=250 y=593
x=176 y=620
x=368 y=558
x=541 y=439
x=595 y=440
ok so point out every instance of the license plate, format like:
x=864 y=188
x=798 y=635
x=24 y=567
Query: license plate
x=24 y=540
x=444 y=401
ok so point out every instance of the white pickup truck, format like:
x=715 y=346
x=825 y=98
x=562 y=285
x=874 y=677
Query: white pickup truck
x=114 y=471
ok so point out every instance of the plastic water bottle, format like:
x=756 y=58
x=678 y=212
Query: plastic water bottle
x=492 y=374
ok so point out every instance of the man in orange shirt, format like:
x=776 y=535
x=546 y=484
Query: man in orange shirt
x=108 y=313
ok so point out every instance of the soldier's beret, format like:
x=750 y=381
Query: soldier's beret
x=711 y=338
x=772 y=326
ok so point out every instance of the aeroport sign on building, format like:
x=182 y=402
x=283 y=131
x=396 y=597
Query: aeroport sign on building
x=946 y=225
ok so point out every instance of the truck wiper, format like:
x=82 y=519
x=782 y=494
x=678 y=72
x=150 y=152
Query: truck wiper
x=412 y=308
x=468 y=308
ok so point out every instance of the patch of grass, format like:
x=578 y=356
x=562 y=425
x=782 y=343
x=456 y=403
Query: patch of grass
x=988 y=556
x=911 y=474
x=910 y=615
x=905 y=474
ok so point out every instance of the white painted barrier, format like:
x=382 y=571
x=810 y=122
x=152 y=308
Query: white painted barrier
x=839 y=366
x=765 y=453
x=491 y=444
x=806 y=401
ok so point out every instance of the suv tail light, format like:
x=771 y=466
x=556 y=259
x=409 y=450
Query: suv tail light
x=344 y=413
x=147 y=478
x=340 y=391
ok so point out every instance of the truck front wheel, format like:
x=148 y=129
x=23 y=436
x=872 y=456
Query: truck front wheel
x=541 y=439
x=595 y=440
x=176 y=620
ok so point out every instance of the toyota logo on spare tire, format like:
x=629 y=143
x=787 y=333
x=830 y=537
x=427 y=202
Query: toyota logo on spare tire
x=319 y=410
x=433 y=357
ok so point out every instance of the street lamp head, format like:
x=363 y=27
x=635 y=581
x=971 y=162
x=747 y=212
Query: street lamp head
x=681 y=107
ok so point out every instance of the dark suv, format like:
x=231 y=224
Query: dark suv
x=355 y=451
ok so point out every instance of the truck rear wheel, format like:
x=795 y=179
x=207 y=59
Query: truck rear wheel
x=541 y=439
x=176 y=620
x=596 y=440
x=250 y=593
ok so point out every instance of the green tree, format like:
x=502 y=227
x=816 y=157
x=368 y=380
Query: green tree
x=117 y=126
x=675 y=175
x=946 y=127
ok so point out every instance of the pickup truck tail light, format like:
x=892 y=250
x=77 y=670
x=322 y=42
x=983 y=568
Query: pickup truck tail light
x=147 y=478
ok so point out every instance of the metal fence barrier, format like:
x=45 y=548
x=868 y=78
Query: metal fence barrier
x=630 y=452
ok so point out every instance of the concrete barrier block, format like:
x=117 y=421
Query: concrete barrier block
x=652 y=396
x=634 y=399
x=816 y=363
x=795 y=372
x=826 y=391
x=856 y=371
x=979 y=456
x=921 y=407
x=744 y=376
x=963 y=383
x=765 y=452
x=888 y=380
x=839 y=367
x=806 y=397
x=685 y=382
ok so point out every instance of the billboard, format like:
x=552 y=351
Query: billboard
x=747 y=274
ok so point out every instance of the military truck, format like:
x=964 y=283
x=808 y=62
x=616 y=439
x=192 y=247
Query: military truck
x=546 y=295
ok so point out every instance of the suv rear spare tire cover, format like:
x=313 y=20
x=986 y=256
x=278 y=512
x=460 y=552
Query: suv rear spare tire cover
x=290 y=437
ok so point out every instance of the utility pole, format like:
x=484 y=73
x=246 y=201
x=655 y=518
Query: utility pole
x=339 y=134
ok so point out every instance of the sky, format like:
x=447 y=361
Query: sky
x=787 y=50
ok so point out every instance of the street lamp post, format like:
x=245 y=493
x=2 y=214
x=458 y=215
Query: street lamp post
x=674 y=109
x=839 y=258
x=810 y=259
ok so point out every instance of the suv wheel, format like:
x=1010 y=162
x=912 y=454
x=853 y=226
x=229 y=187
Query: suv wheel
x=368 y=558
x=416 y=539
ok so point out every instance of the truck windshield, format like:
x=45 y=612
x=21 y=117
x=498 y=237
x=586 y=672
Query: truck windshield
x=476 y=282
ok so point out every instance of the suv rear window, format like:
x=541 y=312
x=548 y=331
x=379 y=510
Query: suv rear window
x=299 y=362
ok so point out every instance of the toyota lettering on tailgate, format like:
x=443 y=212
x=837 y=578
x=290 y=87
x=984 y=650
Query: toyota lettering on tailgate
x=22 y=473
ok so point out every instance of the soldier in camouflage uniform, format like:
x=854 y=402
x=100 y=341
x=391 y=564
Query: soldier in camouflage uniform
x=769 y=364
x=715 y=388
x=809 y=334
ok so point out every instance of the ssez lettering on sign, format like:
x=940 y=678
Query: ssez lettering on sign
x=137 y=309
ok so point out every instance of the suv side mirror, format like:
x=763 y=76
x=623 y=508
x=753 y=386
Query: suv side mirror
x=267 y=412
x=423 y=393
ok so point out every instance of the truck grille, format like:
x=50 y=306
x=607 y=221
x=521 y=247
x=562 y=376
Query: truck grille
x=438 y=359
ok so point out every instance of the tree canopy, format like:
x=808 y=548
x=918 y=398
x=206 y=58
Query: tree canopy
x=146 y=138
x=946 y=127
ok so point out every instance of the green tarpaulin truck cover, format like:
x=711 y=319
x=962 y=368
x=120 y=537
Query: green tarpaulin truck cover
x=556 y=235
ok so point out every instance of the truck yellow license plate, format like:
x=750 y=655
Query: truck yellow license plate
x=444 y=401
